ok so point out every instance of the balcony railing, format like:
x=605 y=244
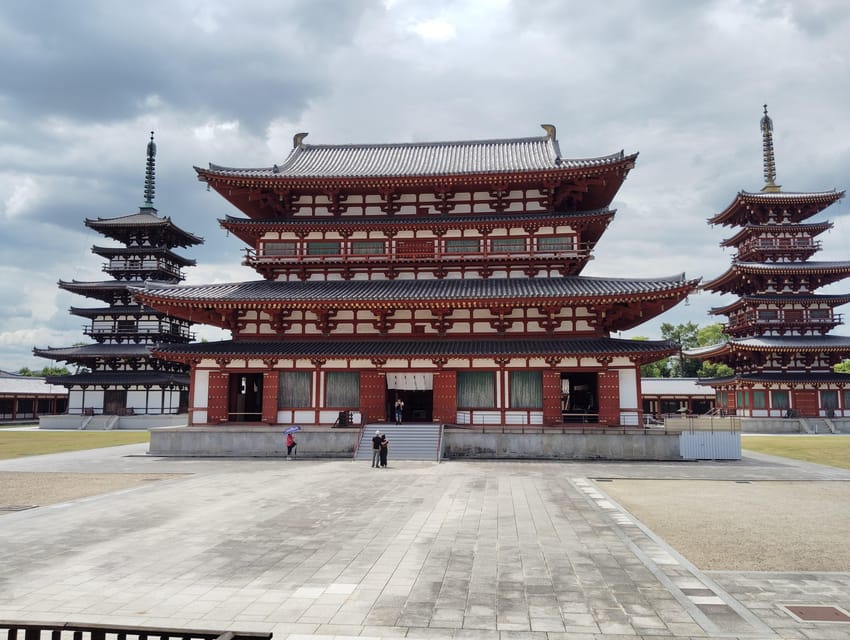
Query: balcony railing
x=750 y=322
x=253 y=258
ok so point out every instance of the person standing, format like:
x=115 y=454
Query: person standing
x=376 y=449
x=399 y=410
x=385 y=445
x=290 y=446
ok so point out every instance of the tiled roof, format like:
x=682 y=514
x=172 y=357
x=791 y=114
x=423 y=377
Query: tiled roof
x=155 y=378
x=799 y=376
x=830 y=343
x=111 y=252
x=795 y=267
x=115 y=310
x=414 y=348
x=672 y=387
x=446 y=289
x=779 y=343
x=90 y=351
x=420 y=159
x=803 y=298
x=790 y=196
x=11 y=384
x=740 y=209
x=145 y=218
x=371 y=221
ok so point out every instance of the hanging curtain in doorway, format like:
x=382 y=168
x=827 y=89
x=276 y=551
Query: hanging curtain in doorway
x=410 y=381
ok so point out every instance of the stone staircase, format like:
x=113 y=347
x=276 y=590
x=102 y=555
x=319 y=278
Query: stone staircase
x=817 y=425
x=413 y=441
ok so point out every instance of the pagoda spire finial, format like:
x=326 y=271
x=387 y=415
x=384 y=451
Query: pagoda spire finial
x=150 y=175
x=769 y=159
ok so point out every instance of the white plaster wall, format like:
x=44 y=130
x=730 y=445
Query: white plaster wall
x=628 y=389
x=201 y=390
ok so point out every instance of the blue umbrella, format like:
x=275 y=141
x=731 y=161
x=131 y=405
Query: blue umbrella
x=293 y=429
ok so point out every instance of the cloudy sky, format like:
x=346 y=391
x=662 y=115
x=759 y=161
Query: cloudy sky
x=683 y=83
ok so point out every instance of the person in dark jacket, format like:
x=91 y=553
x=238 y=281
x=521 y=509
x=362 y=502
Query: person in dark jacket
x=385 y=445
x=376 y=449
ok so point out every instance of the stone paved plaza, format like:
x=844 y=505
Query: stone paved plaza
x=336 y=549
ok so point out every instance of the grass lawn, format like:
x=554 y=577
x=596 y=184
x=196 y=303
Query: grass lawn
x=15 y=444
x=833 y=451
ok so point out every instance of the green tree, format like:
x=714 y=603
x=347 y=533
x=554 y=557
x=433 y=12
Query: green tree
x=43 y=373
x=685 y=337
x=843 y=367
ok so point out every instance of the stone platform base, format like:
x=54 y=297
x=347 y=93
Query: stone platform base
x=323 y=442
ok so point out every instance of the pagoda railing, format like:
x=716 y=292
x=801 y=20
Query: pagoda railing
x=142 y=329
x=816 y=324
x=143 y=266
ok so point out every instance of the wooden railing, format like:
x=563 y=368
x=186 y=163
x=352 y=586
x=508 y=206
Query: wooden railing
x=80 y=631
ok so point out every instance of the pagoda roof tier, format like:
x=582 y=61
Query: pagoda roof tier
x=806 y=299
x=750 y=230
x=630 y=301
x=95 y=351
x=443 y=167
x=639 y=350
x=123 y=379
x=762 y=206
x=780 y=378
x=740 y=274
x=159 y=230
x=105 y=290
x=592 y=223
x=116 y=310
x=120 y=252
x=773 y=344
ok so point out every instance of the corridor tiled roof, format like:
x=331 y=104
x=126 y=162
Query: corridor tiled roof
x=446 y=289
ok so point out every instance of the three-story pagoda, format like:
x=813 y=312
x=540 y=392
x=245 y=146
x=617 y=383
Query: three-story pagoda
x=445 y=274
x=780 y=345
x=117 y=374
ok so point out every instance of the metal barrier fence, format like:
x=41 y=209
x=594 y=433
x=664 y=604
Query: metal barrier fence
x=12 y=630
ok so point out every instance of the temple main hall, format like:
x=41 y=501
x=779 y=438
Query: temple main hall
x=443 y=274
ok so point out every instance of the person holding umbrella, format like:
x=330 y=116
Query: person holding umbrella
x=290 y=442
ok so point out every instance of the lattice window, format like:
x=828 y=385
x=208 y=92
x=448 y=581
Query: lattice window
x=280 y=248
x=367 y=247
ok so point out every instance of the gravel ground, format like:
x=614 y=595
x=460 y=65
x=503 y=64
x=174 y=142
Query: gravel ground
x=29 y=489
x=745 y=526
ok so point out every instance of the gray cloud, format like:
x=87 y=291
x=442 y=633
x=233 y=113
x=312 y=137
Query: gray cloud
x=680 y=82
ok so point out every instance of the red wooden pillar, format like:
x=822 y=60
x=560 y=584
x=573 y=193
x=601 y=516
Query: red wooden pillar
x=552 y=397
x=270 y=379
x=445 y=396
x=373 y=396
x=609 y=397
x=218 y=395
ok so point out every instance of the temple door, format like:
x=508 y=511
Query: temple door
x=445 y=396
x=218 y=395
x=805 y=402
x=552 y=398
x=270 y=379
x=373 y=396
x=609 y=397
